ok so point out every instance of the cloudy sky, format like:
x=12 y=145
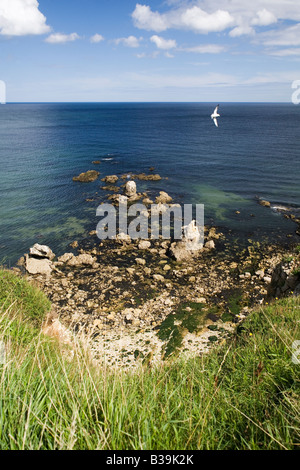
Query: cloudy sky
x=152 y=50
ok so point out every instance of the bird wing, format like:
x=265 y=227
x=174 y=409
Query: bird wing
x=216 y=122
x=216 y=110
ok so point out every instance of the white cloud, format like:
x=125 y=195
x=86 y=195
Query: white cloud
x=144 y=18
x=264 y=18
x=207 y=16
x=285 y=37
x=205 y=49
x=241 y=30
x=198 y=20
x=193 y=18
x=286 y=52
x=153 y=55
x=59 y=38
x=162 y=43
x=21 y=18
x=131 y=41
x=96 y=38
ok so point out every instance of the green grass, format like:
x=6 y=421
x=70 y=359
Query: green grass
x=242 y=395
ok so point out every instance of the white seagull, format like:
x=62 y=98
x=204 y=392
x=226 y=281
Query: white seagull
x=215 y=115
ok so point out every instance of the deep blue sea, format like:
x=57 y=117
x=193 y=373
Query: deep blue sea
x=255 y=152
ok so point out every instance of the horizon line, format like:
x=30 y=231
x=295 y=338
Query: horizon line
x=147 y=102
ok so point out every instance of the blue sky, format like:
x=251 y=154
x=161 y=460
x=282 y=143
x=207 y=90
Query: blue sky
x=174 y=50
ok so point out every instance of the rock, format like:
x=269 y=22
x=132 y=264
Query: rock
x=260 y=273
x=247 y=275
x=192 y=237
x=87 y=177
x=213 y=234
x=21 y=261
x=80 y=260
x=74 y=244
x=123 y=238
x=159 y=209
x=264 y=203
x=167 y=267
x=98 y=324
x=144 y=245
x=38 y=266
x=267 y=279
x=42 y=251
x=144 y=177
x=65 y=258
x=130 y=189
x=110 y=188
x=163 y=198
x=189 y=245
x=147 y=201
x=96 y=162
x=158 y=278
x=130 y=271
x=140 y=261
x=111 y=179
x=210 y=245
x=179 y=252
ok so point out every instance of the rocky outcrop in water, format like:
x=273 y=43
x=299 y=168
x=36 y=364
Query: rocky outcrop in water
x=87 y=177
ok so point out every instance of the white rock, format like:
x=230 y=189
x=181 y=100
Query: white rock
x=38 y=266
x=42 y=251
x=210 y=245
x=130 y=189
x=144 y=245
x=163 y=198
x=65 y=258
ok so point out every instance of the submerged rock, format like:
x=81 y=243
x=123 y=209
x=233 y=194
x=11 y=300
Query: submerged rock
x=87 y=177
x=111 y=179
x=264 y=203
x=144 y=177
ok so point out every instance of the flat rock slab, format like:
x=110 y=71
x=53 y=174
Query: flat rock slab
x=38 y=266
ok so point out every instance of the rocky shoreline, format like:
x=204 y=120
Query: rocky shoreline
x=143 y=301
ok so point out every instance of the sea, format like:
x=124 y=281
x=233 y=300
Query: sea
x=253 y=154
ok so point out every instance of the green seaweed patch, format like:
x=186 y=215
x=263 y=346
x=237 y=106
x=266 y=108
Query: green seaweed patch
x=213 y=327
x=188 y=318
x=235 y=303
x=213 y=339
x=227 y=317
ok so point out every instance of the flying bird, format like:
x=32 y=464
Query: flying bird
x=215 y=115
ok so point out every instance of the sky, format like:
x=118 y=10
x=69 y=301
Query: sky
x=149 y=50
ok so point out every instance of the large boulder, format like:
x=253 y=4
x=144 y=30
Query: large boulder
x=38 y=266
x=130 y=189
x=190 y=244
x=41 y=251
x=87 y=177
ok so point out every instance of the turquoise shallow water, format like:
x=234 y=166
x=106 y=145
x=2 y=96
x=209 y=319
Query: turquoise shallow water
x=42 y=146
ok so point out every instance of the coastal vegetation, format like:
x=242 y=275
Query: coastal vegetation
x=243 y=394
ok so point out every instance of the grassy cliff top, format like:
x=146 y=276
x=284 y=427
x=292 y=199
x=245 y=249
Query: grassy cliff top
x=243 y=395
